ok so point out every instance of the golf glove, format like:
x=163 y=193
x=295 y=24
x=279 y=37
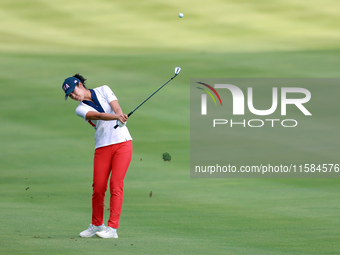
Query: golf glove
x=121 y=124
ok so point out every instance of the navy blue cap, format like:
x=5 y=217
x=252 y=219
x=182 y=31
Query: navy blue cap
x=69 y=84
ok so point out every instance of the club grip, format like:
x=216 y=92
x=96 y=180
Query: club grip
x=115 y=127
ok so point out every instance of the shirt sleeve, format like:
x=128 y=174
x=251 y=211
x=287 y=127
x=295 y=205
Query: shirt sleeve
x=109 y=95
x=82 y=110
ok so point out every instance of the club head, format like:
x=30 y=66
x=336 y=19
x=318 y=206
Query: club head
x=177 y=70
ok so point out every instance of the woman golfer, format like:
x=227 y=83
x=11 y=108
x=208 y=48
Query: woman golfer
x=113 y=150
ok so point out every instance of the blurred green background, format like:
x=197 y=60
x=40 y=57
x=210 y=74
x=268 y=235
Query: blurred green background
x=46 y=155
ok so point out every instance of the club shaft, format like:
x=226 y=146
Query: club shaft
x=151 y=96
x=148 y=98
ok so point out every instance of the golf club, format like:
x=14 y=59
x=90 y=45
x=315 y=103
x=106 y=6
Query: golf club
x=177 y=70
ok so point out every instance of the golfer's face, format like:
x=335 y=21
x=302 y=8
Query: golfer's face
x=77 y=94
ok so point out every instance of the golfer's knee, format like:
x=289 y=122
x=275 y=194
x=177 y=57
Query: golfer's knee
x=116 y=188
x=99 y=190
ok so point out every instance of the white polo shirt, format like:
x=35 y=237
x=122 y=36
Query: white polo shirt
x=105 y=133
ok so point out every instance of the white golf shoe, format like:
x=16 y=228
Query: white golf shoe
x=91 y=231
x=108 y=232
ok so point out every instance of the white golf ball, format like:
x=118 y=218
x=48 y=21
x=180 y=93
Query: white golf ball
x=181 y=15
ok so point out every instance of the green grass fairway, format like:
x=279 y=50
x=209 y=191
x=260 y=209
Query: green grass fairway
x=133 y=46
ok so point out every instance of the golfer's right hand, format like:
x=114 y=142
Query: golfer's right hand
x=122 y=118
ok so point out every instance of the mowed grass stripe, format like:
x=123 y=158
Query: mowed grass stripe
x=44 y=25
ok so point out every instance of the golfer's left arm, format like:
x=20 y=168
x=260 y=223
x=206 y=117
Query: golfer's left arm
x=116 y=108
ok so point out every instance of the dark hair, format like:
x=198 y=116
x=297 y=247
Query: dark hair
x=81 y=78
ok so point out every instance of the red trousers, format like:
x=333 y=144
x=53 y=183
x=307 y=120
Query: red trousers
x=114 y=159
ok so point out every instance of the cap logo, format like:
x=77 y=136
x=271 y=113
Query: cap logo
x=65 y=87
x=75 y=81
